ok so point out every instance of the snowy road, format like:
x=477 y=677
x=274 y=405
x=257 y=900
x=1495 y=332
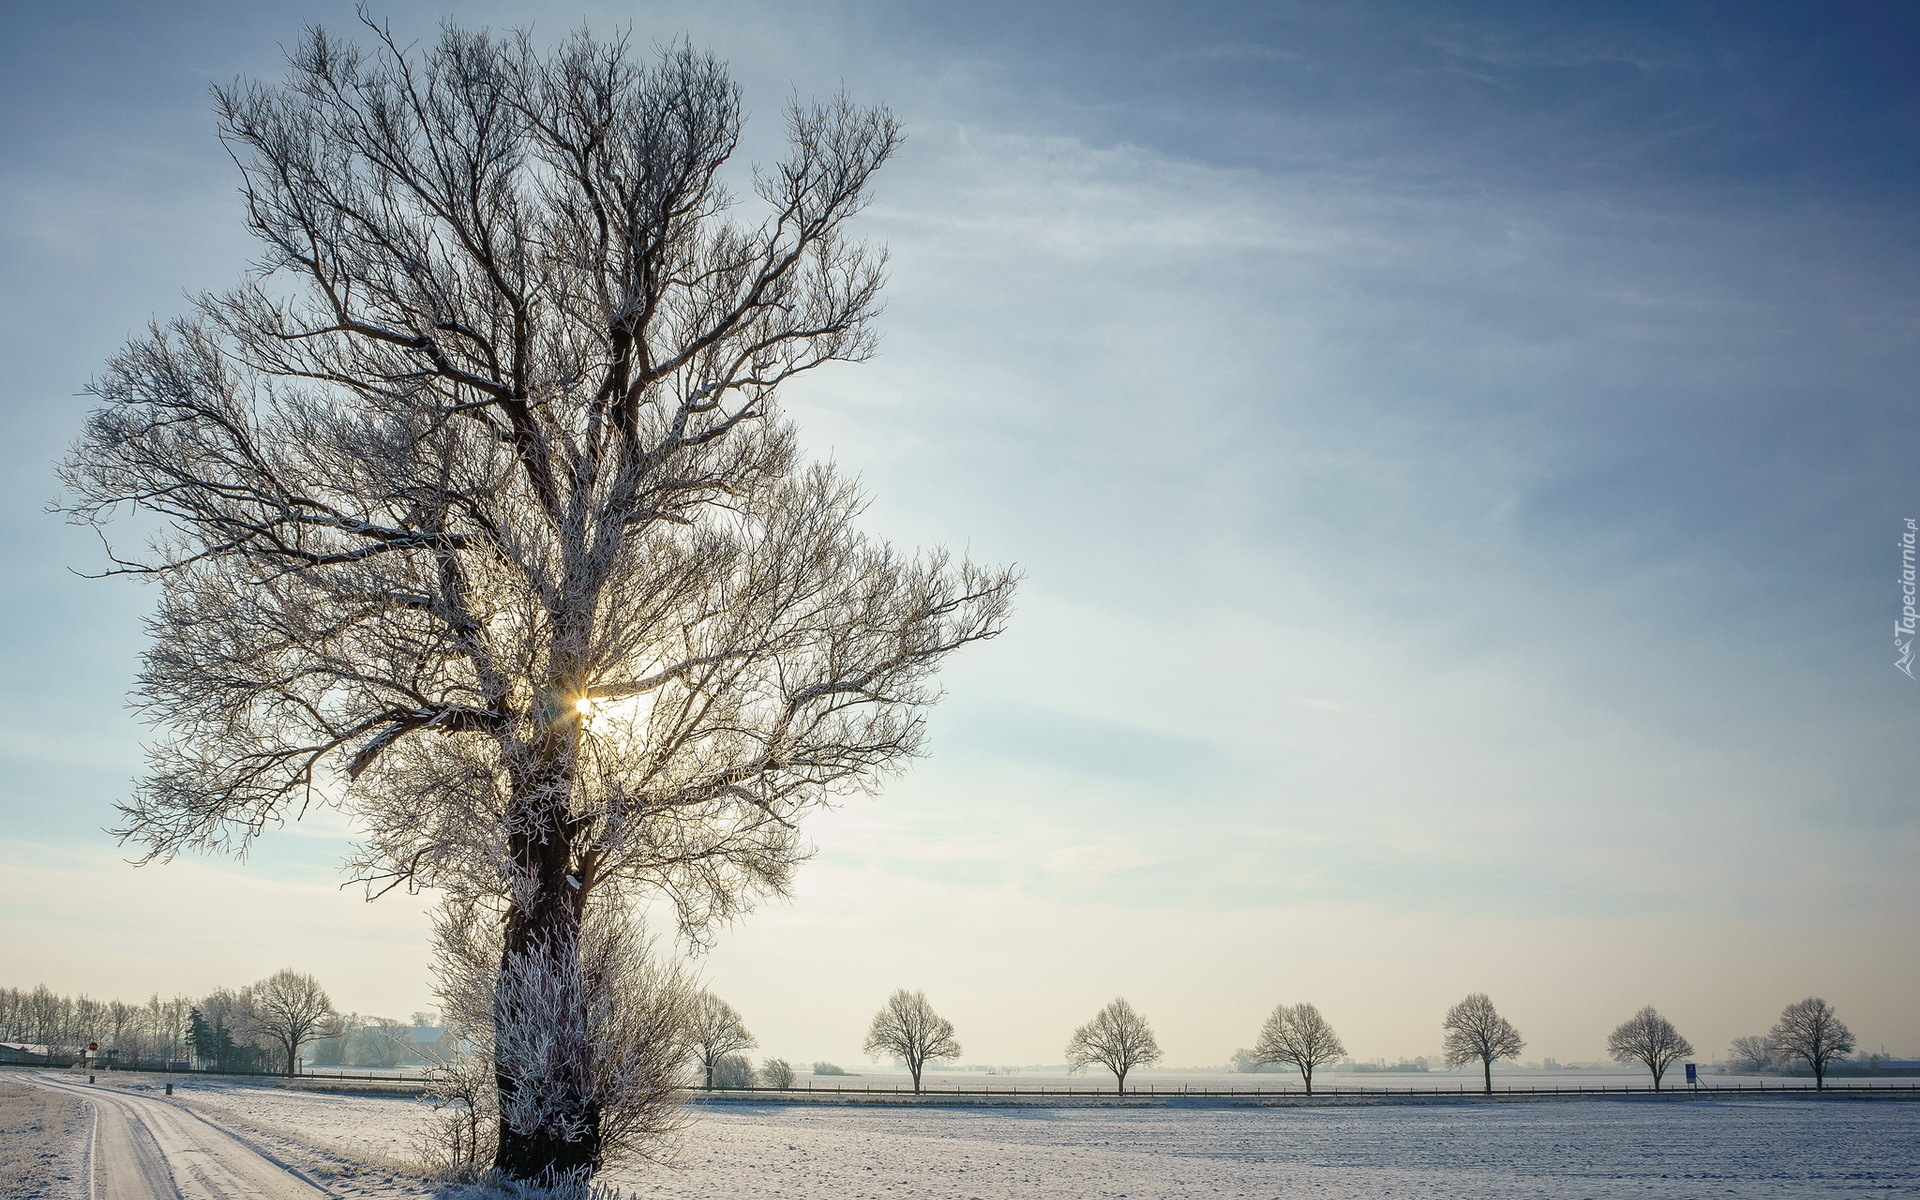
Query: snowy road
x=146 y=1149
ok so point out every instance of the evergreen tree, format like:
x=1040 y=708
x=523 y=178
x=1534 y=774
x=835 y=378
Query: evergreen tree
x=200 y=1036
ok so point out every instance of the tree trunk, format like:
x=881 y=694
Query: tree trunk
x=293 y=1059
x=1486 y=1066
x=550 y=932
x=1120 y=1082
x=915 y=1068
x=1819 y=1076
x=546 y=933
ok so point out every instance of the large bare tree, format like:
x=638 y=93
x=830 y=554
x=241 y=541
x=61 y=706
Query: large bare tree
x=1813 y=1033
x=1476 y=1031
x=1298 y=1035
x=908 y=1028
x=478 y=516
x=1649 y=1038
x=290 y=1009
x=1118 y=1038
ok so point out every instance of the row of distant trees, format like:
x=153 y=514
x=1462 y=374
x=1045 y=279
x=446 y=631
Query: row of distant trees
x=1118 y=1039
x=156 y=1029
x=1808 y=1032
x=260 y=1027
x=265 y=1025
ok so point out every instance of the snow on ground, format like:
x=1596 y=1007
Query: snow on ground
x=360 y=1145
x=370 y=1127
x=1754 y=1149
x=43 y=1142
x=1762 y=1149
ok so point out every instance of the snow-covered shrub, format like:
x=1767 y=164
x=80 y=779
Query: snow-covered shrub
x=636 y=1012
x=493 y=1187
x=776 y=1073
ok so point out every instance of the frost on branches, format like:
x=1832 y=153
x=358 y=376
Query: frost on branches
x=1118 y=1038
x=636 y=1015
x=479 y=518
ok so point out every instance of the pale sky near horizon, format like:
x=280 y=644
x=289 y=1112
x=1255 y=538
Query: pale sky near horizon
x=1457 y=454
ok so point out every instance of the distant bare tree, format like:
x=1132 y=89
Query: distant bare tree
x=1475 y=1031
x=165 y=1025
x=1118 y=1038
x=290 y=1009
x=1647 y=1037
x=1813 y=1033
x=1750 y=1055
x=715 y=1031
x=478 y=516
x=907 y=1027
x=1299 y=1036
x=122 y=1021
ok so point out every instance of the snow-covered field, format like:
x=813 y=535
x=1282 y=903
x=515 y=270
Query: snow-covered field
x=375 y=1129
x=1759 y=1148
x=1561 y=1149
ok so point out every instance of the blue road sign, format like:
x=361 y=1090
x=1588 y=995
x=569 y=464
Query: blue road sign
x=1693 y=1074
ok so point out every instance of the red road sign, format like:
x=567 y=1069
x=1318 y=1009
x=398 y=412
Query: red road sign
x=93 y=1045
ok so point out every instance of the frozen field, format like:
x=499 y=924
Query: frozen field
x=1758 y=1148
x=1560 y=1149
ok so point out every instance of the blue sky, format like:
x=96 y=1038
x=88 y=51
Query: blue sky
x=1457 y=453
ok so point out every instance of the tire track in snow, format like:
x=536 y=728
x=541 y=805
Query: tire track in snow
x=146 y=1149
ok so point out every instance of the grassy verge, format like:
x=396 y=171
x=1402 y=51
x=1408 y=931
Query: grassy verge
x=43 y=1139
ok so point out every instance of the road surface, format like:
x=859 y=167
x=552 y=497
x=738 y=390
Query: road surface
x=149 y=1149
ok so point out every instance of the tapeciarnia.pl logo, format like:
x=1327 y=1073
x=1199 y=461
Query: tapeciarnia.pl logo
x=1903 y=628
